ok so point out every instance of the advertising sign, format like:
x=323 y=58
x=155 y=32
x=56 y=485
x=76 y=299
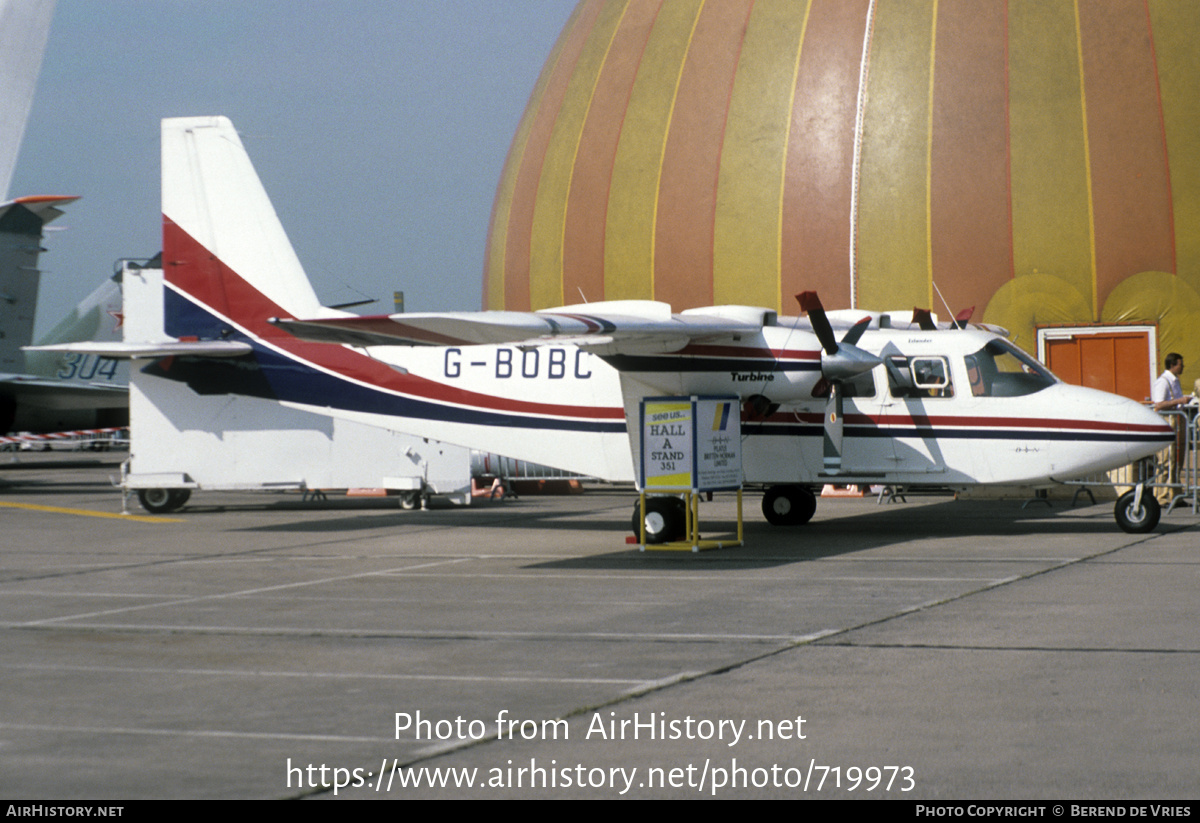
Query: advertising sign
x=691 y=443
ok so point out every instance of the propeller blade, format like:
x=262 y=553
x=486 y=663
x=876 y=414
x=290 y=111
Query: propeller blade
x=810 y=303
x=964 y=317
x=833 y=432
x=924 y=319
x=856 y=332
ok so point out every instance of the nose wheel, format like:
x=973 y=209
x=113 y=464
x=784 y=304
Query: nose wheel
x=1137 y=516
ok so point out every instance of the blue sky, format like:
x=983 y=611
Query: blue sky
x=379 y=128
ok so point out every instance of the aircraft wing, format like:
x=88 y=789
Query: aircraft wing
x=616 y=326
x=168 y=348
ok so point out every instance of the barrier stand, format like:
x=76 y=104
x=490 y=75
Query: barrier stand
x=1182 y=466
x=79 y=437
x=692 y=541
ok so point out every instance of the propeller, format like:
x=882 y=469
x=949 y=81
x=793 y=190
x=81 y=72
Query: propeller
x=924 y=319
x=840 y=361
x=811 y=304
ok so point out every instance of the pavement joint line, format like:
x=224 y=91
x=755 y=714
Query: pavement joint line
x=612 y=681
x=167 y=561
x=222 y=596
x=994 y=648
x=74 y=595
x=651 y=637
x=635 y=575
x=210 y=733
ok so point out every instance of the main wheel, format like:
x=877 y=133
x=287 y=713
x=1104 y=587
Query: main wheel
x=1137 y=520
x=788 y=505
x=666 y=519
x=163 y=501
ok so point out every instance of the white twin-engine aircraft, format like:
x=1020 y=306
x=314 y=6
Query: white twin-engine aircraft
x=844 y=397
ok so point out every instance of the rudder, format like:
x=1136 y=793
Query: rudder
x=223 y=245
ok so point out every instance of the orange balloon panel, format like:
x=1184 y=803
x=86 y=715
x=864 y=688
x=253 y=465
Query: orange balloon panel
x=740 y=151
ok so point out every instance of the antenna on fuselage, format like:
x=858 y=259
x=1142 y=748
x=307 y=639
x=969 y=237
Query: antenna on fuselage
x=961 y=319
x=933 y=283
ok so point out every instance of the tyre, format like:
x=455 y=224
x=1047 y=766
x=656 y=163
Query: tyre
x=408 y=502
x=1137 y=520
x=666 y=519
x=163 y=501
x=788 y=505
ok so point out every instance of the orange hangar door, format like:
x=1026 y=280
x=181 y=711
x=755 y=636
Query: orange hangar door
x=1116 y=359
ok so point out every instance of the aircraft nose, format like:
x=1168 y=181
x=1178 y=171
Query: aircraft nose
x=1150 y=432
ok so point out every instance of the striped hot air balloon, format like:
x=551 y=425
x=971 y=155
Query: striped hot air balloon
x=1038 y=159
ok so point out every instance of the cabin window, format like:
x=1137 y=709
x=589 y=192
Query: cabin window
x=919 y=377
x=1000 y=369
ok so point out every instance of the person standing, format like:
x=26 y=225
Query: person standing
x=1167 y=395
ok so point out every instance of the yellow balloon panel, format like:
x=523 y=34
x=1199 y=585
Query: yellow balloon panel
x=737 y=151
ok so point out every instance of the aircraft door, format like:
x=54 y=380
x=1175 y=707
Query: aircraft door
x=864 y=450
x=919 y=389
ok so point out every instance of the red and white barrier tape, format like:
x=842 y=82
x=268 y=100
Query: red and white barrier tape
x=45 y=438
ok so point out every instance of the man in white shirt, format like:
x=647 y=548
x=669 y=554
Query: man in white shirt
x=1167 y=393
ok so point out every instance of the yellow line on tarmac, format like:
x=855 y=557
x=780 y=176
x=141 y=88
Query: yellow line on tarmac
x=87 y=513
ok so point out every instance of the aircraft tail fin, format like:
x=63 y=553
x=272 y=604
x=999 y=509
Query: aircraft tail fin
x=21 y=223
x=226 y=256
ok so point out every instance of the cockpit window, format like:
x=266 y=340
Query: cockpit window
x=1000 y=369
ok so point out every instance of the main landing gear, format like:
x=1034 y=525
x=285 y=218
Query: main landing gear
x=163 y=501
x=788 y=505
x=666 y=516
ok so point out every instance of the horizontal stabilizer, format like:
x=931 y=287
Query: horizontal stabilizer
x=167 y=348
x=27 y=215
